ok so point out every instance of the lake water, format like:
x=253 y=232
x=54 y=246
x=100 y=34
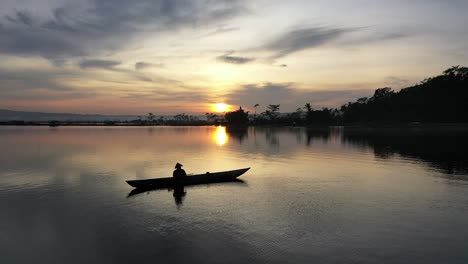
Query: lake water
x=324 y=196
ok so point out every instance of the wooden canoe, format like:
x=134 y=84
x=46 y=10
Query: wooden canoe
x=204 y=178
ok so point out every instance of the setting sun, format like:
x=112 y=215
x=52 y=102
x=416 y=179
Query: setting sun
x=220 y=107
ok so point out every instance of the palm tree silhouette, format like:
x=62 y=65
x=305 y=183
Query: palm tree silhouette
x=255 y=114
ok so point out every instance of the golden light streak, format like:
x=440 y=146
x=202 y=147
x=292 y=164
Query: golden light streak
x=220 y=136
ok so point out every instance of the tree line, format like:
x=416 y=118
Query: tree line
x=439 y=99
x=442 y=98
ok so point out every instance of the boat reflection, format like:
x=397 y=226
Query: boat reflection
x=179 y=192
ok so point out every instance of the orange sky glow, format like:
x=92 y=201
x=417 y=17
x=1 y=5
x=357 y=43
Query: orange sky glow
x=240 y=53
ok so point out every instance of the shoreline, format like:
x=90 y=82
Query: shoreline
x=349 y=127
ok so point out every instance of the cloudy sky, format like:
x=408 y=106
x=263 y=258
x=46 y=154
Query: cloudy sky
x=174 y=56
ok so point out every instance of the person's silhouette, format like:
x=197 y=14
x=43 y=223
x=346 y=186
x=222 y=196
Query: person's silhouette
x=178 y=173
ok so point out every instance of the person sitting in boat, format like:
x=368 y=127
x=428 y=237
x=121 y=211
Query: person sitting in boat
x=178 y=173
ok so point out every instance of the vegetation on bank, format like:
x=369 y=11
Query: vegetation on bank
x=440 y=99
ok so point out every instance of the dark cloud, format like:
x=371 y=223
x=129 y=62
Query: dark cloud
x=393 y=35
x=20 y=17
x=283 y=65
x=291 y=97
x=12 y=81
x=141 y=65
x=370 y=35
x=105 y=25
x=302 y=39
x=228 y=58
x=22 y=36
x=41 y=84
x=307 y=38
x=38 y=85
x=103 y=64
x=165 y=95
x=130 y=74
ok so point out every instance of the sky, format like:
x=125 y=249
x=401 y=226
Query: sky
x=183 y=56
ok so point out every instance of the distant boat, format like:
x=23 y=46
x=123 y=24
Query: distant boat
x=205 y=178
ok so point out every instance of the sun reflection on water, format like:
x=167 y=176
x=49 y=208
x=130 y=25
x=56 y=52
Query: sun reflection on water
x=220 y=136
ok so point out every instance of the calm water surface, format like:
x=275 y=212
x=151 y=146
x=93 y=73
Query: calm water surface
x=310 y=197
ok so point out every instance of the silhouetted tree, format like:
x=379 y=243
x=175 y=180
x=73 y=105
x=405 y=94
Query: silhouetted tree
x=237 y=118
x=309 y=110
x=161 y=120
x=211 y=117
x=272 y=111
x=382 y=93
x=362 y=100
x=255 y=113
x=324 y=116
x=150 y=117
x=441 y=98
x=181 y=117
x=297 y=115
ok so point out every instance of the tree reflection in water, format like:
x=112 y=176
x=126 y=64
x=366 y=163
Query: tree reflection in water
x=237 y=133
x=444 y=151
x=441 y=149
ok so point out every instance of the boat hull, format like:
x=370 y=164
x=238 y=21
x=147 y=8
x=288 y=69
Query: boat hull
x=189 y=180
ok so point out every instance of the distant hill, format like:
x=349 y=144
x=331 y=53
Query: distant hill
x=443 y=98
x=9 y=115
